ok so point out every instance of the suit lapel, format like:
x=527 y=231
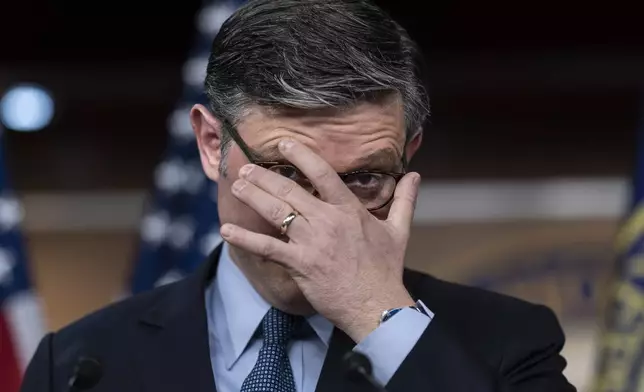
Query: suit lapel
x=174 y=354
x=332 y=377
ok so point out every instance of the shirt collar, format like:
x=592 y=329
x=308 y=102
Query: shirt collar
x=323 y=328
x=242 y=309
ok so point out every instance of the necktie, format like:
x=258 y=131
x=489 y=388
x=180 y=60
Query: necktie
x=272 y=371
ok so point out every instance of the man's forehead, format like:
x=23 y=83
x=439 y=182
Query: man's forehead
x=384 y=158
x=343 y=127
x=371 y=136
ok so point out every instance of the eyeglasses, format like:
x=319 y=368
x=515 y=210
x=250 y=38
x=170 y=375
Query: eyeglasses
x=375 y=189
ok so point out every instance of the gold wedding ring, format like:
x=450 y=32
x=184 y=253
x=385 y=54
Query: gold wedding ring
x=287 y=222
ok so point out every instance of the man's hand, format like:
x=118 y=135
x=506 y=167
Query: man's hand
x=348 y=263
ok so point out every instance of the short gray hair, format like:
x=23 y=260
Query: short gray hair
x=313 y=54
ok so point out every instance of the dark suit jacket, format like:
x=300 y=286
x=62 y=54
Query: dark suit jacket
x=158 y=342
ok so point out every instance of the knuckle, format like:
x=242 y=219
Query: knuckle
x=267 y=249
x=286 y=189
x=278 y=212
x=321 y=175
x=406 y=198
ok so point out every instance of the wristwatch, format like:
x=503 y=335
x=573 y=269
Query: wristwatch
x=389 y=313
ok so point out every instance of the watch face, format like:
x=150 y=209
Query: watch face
x=389 y=314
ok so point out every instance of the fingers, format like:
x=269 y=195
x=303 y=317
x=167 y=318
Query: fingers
x=325 y=180
x=271 y=208
x=259 y=244
x=402 y=208
x=281 y=188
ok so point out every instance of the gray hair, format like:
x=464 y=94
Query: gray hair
x=313 y=54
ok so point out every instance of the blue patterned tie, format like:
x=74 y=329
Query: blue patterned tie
x=272 y=372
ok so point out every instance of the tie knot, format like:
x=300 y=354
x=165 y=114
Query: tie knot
x=278 y=327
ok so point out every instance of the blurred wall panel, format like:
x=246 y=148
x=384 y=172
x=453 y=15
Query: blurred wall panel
x=79 y=272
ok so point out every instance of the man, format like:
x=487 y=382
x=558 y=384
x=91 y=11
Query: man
x=316 y=107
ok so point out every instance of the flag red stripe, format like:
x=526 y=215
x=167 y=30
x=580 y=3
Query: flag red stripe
x=9 y=369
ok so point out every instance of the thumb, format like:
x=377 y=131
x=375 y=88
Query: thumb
x=402 y=209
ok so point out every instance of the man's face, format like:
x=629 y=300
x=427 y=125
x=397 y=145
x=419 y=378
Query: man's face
x=369 y=136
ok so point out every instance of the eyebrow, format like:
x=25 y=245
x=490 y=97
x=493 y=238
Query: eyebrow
x=384 y=159
x=269 y=154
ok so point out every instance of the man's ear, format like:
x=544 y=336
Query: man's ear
x=208 y=134
x=413 y=145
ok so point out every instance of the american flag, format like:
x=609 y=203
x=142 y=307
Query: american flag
x=181 y=224
x=21 y=324
x=621 y=347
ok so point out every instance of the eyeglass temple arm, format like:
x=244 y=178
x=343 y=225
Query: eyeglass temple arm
x=228 y=127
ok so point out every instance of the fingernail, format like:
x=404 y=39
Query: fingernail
x=225 y=230
x=238 y=185
x=417 y=179
x=245 y=170
x=284 y=144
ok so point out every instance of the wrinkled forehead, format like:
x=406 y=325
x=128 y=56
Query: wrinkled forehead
x=387 y=110
x=364 y=135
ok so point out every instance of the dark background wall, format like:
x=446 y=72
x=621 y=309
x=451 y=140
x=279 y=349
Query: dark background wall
x=519 y=90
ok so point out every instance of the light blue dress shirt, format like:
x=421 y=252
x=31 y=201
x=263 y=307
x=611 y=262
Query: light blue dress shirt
x=235 y=310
